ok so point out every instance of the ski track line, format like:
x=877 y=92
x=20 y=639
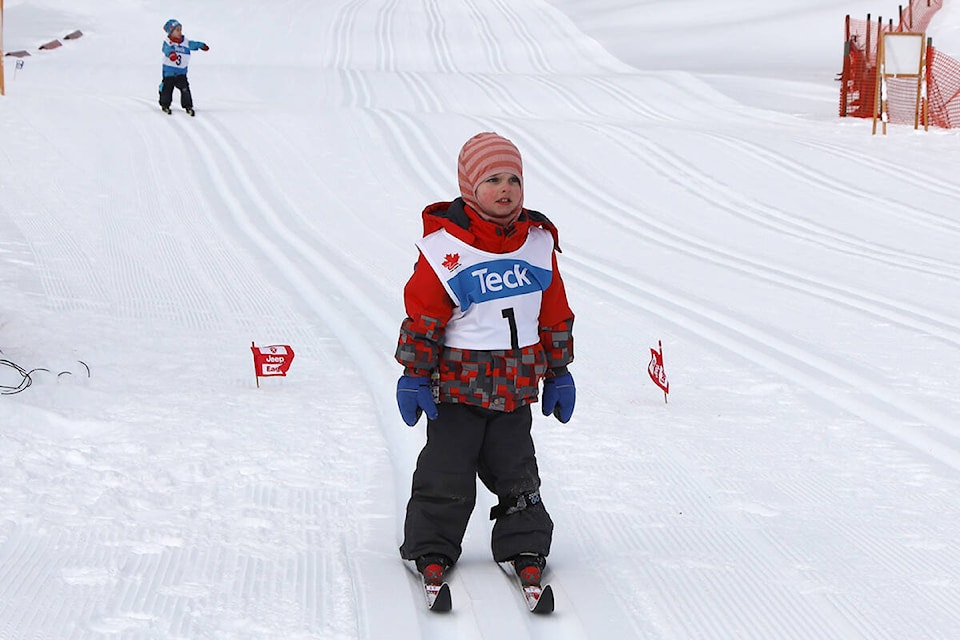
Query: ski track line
x=491 y=45
x=409 y=141
x=487 y=83
x=494 y=89
x=270 y=224
x=622 y=96
x=826 y=182
x=582 y=46
x=247 y=221
x=215 y=267
x=540 y=61
x=343 y=25
x=564 y=93
x=584 y=106
x=900 y=174
x=598 y=86
x=357 y=93
x=437 y=38
x=825 y=378
x=424 y=96
x=298 y=224
x=190 y=306
x=386 y=52
x=943 y=327
x=676 y=171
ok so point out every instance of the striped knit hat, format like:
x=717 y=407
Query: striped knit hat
x=482 y=156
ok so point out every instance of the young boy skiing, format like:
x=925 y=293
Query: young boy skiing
x=487 y=320
x=176 y=59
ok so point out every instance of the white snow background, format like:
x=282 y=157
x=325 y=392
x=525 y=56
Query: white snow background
x=802 y=482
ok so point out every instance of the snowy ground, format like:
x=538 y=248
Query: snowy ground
x=803 y=276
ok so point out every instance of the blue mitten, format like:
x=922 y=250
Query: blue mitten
x=415 y=397
x=559 y=396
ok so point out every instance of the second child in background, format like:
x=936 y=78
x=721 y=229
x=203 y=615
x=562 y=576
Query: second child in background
x=176 y=59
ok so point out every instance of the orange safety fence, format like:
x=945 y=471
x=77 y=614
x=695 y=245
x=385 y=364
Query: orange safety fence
x=858 y=79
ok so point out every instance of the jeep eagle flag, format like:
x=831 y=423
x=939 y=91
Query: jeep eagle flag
x=656 y=371
x=271 y=361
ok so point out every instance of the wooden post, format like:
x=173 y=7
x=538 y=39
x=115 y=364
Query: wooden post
x=844 y=78
x=921 y=88
x=878 y=99
x=2 y=88
x=866 y=50
x=256 y=373
x=660 y=346
x=928 y=61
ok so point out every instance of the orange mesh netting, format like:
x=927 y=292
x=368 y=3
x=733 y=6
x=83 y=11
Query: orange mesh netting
x=859 y=75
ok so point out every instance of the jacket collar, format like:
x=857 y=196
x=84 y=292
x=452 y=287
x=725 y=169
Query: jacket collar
x=461 y=221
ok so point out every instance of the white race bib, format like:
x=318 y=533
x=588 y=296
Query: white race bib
x=497 y=295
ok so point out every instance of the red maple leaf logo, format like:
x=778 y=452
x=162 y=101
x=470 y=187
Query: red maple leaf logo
x=451 y=261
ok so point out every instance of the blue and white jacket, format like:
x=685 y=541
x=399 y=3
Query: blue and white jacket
x=178 y=67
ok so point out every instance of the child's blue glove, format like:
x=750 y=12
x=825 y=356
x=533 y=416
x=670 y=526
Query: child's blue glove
x=559 y=396
x=414 y=397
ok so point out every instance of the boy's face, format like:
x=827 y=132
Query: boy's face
x=498 y=197
x=177 y=33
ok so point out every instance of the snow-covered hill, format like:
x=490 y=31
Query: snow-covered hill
x=801 y=483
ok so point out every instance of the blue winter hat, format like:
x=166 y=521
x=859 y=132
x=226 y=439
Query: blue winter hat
x=170 y=25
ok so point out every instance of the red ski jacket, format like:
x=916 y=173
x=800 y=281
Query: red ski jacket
x=503 y=379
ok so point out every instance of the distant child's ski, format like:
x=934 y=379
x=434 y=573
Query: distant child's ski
x=538 y=598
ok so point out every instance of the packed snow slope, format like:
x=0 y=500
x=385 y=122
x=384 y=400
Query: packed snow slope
x=802 y=482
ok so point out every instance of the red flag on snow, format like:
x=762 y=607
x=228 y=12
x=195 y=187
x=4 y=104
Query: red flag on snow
x=271 y=361
x=655 y=369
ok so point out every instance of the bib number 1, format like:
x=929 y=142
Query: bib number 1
x=508 y=315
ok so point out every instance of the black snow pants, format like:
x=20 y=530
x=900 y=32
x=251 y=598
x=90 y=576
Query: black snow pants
x=465 y=442
x=166 y=91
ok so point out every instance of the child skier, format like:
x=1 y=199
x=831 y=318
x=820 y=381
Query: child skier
x=488 y=319
x=176 y=59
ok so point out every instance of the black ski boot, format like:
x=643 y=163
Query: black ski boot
x=433 y=567
x=529 y=567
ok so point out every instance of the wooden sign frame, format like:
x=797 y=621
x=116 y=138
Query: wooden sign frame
x=901 y=55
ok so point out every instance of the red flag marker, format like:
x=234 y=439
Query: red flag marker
x=656 y=371
x=271 y=361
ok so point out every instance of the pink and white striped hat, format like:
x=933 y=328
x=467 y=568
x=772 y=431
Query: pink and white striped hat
x=482 y=156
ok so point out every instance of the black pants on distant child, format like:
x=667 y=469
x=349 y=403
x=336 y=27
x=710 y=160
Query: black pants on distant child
x=463 y=443
x=166 y=91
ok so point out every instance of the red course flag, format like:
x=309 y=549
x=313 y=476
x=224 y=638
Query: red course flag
x=271 y=361
x=655 y=369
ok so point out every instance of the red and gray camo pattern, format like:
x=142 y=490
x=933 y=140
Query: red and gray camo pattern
x=503 y=380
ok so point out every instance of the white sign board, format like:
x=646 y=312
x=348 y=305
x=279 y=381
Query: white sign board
x=902 y=54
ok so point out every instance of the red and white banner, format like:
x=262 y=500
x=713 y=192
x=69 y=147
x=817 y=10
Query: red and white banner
x=656 y=371
x=271 y=361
